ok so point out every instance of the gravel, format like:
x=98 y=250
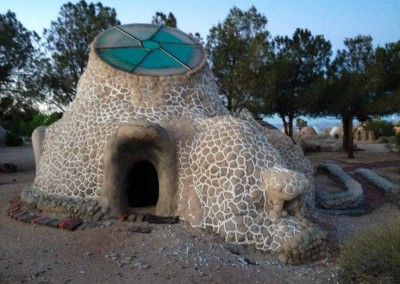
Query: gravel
x=174 y=253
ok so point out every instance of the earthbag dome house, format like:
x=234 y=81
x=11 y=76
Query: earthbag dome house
x=147 y=132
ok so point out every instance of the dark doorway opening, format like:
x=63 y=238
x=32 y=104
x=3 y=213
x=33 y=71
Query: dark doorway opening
x=142 y=185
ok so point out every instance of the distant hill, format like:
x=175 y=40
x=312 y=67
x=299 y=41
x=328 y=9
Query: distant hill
x=318 y=123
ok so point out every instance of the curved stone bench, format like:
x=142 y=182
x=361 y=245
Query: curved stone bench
x=351 y=198
x=377 y=181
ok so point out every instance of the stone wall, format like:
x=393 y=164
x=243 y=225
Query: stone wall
x=247 y=183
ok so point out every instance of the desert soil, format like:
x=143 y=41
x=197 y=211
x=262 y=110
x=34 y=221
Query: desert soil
x=111 y=252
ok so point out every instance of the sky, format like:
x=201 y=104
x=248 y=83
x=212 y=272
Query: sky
x=334 y=19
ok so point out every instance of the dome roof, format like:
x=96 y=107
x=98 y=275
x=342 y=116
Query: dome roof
x=145 y=49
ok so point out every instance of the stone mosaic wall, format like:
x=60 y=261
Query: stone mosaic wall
x=244 y=182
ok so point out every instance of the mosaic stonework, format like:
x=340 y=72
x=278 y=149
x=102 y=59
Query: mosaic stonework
x=249 y=184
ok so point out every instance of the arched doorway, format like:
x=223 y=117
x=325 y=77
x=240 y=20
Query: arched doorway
x=140 y=171
x=142 y=188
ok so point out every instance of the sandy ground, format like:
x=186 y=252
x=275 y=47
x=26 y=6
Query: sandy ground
x=169 y=254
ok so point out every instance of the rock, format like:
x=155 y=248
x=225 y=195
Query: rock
x=108 y=223
x=140 y=229
x=282 y=257
x=141 y=265
x=131 y=218
x=123 y=262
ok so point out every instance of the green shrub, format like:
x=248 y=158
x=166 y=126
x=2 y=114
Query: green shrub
x=13 y=140
x=26 y=128
x=372 y=256
x=380 y=127
x=383 y=139
x=397 y=141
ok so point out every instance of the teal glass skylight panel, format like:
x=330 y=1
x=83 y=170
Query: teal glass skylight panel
x=158 y=59
x=150 y=44
x=145 y=49
x=169 y=36
x=190 y=55
x=140 y=31
x=110 y=38
x=140 y=70
x=125 y=59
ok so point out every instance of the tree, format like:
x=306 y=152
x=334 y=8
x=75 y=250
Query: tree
x=237 y=49
x=387 y=73
x=13 y=112
x=297 y=65
x=197 y=36
x=301 y=123
x=162 y=19
x=18 y=71
x=68 y=41
x=350 y=86
x=6 y=104
x=16 y=48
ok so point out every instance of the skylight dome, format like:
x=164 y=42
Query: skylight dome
x=145 y=49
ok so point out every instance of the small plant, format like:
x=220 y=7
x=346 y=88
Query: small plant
x=372 y=256
x=13 y=140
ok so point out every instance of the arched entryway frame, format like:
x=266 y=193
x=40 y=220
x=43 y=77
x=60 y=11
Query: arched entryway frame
x=139 y=152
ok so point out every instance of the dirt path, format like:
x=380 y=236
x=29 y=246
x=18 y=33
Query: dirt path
x=168 y=254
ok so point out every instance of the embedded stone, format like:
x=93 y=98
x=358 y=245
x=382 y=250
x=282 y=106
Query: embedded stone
x=165 y=142
x=283 y=258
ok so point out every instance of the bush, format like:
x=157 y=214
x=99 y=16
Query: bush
x=26 y=128
x=380 y=127
x=372 y=256
x=383 y=139
x=397 y=141
x=13 y=140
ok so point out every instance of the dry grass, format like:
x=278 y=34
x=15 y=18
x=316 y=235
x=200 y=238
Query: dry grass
x=372 y=255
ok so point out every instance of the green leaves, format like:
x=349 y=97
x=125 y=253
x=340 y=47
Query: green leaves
x=15 y=48
x=296 y=67
x=237 y=50
x=68 y=40
x=387 y=73
x=163 y=20
x=38 y=119
x=362 y=81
